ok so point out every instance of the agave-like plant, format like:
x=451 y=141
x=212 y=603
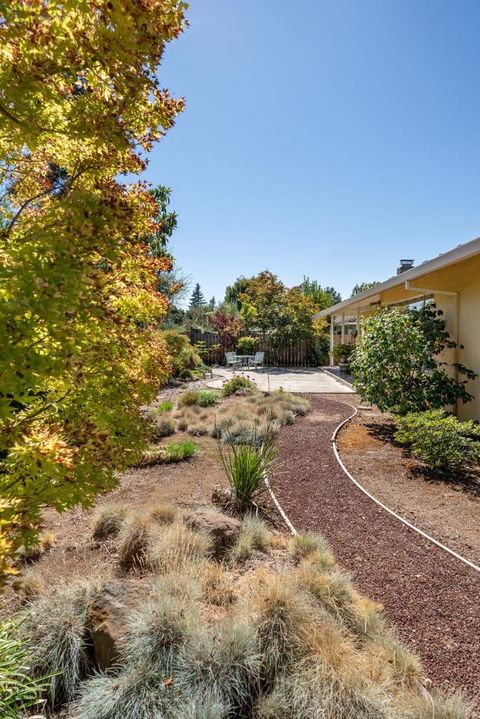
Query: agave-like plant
x=246 y=464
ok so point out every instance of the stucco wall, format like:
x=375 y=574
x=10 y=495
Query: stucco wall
x=469 y=334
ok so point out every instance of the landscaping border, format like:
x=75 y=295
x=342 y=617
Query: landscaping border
x=381 y=504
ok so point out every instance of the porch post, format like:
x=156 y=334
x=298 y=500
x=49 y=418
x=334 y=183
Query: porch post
x=343 y=329
x=332 y=322
x=357 y=325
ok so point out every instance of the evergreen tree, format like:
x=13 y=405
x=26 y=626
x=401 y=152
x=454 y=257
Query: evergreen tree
x=212 y=303
x=197 y=299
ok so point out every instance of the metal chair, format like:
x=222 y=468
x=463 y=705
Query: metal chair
x=258 y=359
x=231 y=359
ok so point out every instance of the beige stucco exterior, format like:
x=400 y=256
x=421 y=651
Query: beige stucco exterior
x=453 y=280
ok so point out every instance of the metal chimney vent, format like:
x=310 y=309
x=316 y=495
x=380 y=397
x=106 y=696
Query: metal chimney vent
x=404 y=266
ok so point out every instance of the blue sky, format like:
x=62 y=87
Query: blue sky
x=326 y=139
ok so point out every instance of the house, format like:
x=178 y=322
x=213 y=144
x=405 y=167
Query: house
x=452 y=280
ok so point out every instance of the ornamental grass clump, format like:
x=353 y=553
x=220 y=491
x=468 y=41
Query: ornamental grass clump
x=55 y=628
x=439 y=439
x=254 y=535
x=109 y=520
x=246 y=466
x=288 y=638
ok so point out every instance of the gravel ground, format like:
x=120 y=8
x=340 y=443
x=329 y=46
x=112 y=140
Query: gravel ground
x=431 y=597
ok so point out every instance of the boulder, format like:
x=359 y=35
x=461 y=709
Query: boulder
x=222 y=529
x=108 y=618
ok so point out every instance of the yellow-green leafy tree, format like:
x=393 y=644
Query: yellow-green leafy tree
x=80 y=105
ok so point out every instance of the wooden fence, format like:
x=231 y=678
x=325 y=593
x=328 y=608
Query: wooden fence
x=299 y=354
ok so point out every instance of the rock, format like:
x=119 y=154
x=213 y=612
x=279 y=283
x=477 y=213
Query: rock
x=109 y=614
x=222 y=529
x=222 y=496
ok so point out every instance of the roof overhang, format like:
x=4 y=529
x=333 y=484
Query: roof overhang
x=372 y=296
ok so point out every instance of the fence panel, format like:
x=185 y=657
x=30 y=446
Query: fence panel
x=300 y=354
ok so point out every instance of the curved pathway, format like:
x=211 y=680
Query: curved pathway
x=432 y=598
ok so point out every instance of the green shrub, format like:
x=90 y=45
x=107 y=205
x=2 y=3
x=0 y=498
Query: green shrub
x=19 y=692
x=246 y=345
x=246 y=465
x=185 y=359
x=342 y=352
x=178 y=452
x=439 y=439
x=171 y=453
x=199 y=398
x=238 y=385
x=398 y=363
x=164 y=406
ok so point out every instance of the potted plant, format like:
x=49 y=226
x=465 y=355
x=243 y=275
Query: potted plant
x=341 y=354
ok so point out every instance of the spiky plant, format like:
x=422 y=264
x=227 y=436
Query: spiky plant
x=139 y=692
x=246 y=466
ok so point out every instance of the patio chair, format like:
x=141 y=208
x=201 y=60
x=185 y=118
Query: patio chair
x=231 y=359
x=258 y=360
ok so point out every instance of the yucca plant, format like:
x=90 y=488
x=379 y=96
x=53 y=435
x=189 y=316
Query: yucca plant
x=246 y=464
x=19 y=691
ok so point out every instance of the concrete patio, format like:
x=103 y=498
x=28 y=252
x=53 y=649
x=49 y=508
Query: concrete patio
x=302 y=379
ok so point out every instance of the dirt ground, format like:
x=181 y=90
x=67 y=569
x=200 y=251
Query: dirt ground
x=74 y=555
x=446 y=508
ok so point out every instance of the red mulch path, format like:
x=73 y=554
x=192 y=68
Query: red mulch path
x=432 y=598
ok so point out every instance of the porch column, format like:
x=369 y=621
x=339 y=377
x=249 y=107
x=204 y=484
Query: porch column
x=343 y=329
x=332 y=322
x=357 y=325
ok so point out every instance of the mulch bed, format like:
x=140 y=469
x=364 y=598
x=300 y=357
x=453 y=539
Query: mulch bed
x=432 y=598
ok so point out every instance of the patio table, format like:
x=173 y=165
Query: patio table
x=245 y=359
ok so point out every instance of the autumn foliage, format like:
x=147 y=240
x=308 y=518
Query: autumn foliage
x=80 y=105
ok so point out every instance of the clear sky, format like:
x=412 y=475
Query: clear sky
x=322 y=138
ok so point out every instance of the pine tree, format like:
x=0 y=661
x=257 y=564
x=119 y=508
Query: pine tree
x=197 y=299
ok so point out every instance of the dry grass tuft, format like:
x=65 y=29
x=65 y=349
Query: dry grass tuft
x=109 y=520
x=32 y=553
x=29 y=584
x=309 y=546
x=54 y=626
x=254 y=536
x=135 y=539
x=177 y=545
x=163 y=513
x=216 y=584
